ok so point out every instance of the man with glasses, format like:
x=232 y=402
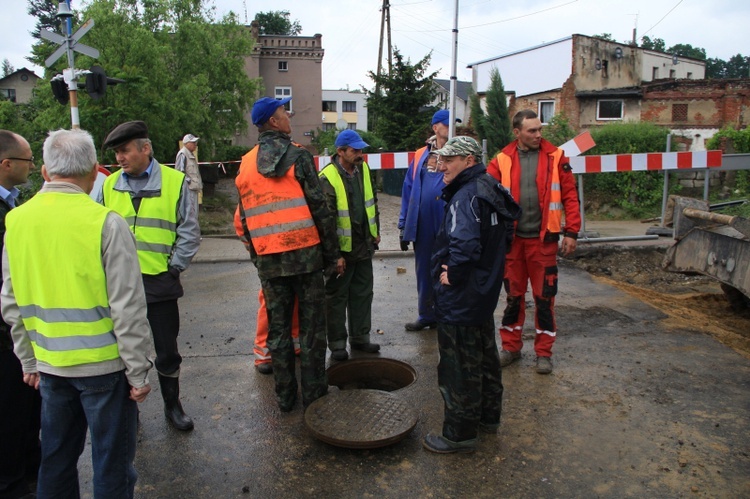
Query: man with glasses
x=19 y=427
x=349 y=191
x=75 y=300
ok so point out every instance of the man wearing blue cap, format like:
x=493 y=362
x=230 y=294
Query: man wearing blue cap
x=421 y=216
x=349 y=192
x=285 y=224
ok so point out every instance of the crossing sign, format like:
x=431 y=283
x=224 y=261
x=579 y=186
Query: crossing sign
x=69 y=43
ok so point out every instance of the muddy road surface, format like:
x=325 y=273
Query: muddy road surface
x=639 y=405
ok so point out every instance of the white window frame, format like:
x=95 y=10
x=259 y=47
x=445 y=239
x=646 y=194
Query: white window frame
x=539 y=109
x=283 y=93
x=283 y=66
x=622 y=110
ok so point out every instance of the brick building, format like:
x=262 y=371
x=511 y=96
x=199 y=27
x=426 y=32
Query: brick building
x=288 y=66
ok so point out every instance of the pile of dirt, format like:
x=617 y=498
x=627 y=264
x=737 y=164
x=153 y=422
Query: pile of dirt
x=691 y=301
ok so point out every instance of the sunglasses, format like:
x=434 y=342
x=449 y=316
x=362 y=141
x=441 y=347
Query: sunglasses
x=30 y=160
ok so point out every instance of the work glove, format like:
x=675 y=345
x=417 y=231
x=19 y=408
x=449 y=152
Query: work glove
x=404 y=244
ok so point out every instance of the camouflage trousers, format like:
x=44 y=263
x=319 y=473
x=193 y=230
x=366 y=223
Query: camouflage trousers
x=469 y=378
x=280 y=294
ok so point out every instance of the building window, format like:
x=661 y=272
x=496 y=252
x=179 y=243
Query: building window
x=284 y=93
x=8 y=93
x=672 y=73
x=689 y=75
x=329 y=126
x=349 y=106
x=351 y=126
x=546 y=111
x=609 y=109
x=654 y=73
x=679 y=112
x=283 y=66
x=329 y=106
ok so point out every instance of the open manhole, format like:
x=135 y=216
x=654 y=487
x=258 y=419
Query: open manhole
x=387 y=375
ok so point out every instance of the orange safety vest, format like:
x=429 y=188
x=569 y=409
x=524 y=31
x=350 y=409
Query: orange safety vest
x=555 y=207
x=417 y=157
x=274 y=210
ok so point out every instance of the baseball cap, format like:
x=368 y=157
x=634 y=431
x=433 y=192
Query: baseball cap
x=461 y=146
x=442 y=116
x=351 y=139
x=264 y=108
x=189 y=138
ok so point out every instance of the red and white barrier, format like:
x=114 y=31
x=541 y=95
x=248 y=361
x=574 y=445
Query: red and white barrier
x=578 y=144
x=581 y=164
x=646 y=162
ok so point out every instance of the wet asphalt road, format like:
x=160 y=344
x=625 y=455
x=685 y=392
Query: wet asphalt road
x=632 y=409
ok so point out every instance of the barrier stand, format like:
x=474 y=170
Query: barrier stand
x=663 y=230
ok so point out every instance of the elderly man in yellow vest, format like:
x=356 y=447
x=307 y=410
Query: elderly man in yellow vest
x=72 y=293
x=156 y=203
x=348 y=188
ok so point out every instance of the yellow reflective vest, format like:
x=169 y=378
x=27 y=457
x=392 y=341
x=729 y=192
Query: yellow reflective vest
x=343 y=220
x=63 y=301
x=155 y=223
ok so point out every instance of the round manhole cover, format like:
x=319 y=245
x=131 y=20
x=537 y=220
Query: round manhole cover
x=360 y=419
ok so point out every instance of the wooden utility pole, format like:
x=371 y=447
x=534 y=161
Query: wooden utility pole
x=385 y=19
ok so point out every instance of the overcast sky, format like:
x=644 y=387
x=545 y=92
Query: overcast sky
x=487 y=28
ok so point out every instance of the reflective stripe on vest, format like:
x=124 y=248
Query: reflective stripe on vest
x=343 y=220
x=275 y=209
x=555 y=207
x=63 y=301
x=155 y=224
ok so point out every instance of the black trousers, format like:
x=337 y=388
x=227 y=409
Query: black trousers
x=164 y=318
x=469 y=378
x=20 y=413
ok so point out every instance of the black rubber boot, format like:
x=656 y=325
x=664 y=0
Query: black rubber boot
x=170 y=391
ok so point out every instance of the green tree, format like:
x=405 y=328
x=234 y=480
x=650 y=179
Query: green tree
x=277 y=22
x=7 y=68
x=495 y=125
x=162 y=49
x=655 y=44
x=605 y=36
x=639 y=193
x=400 y=112
x=477 y=119
x=687 y=50
x=44 y=11
x=558 y=131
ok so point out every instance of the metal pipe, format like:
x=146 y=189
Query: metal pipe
x=665 y=190
x=454 y=70
x=580 y=200
x=706 y=183
x=613 y=239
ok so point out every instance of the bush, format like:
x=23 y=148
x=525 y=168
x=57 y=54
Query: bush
x=638 y=193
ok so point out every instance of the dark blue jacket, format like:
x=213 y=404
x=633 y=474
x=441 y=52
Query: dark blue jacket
x=473 y=240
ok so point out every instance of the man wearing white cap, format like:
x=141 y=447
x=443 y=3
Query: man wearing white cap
x=187 y=163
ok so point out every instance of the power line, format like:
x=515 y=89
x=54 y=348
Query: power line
x=660 y=20
x=509 y=19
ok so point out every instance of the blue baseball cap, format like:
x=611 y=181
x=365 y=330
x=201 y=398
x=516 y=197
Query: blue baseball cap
x=351 y=139
x=443 y=116
x=264 y=108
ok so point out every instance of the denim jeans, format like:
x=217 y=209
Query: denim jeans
x=69 y=407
